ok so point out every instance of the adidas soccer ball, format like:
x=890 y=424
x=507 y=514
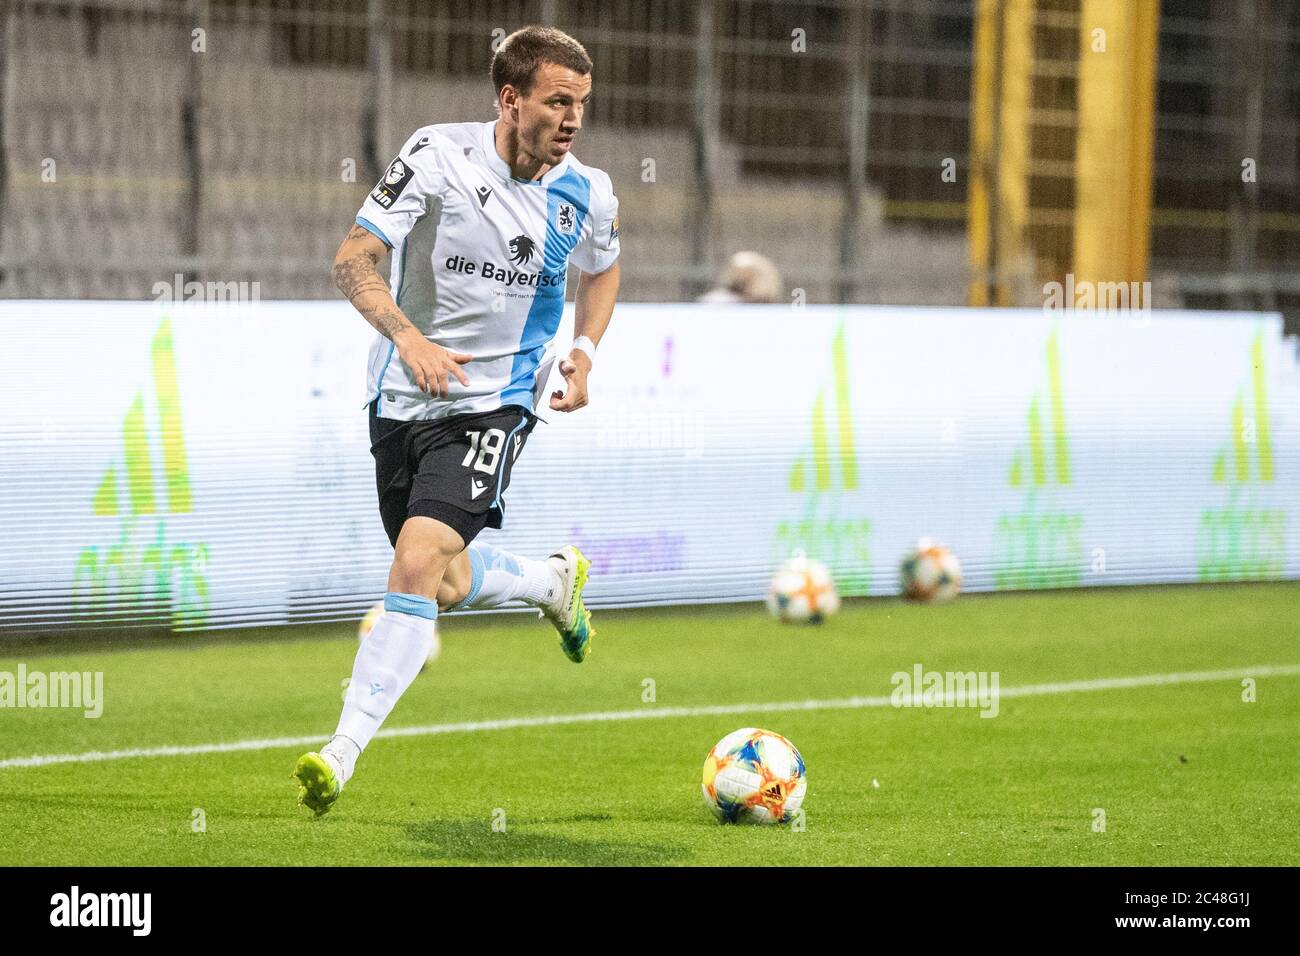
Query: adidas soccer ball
x=372 y=617
x=930 y=572
x=754 y=776
x=802 y=592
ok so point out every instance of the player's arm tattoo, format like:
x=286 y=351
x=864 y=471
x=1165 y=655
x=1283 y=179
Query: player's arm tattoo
x=388 y=321
x=358 y=273
x=358 y=278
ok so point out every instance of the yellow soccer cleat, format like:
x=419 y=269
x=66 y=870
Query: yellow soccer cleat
x=318 y=785
x=568 y=614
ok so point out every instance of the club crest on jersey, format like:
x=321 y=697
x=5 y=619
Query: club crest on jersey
x=521 y=249
x=566 y=218
x=391 y=186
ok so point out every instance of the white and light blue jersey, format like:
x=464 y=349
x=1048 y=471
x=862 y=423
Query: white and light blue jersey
x=479 y=264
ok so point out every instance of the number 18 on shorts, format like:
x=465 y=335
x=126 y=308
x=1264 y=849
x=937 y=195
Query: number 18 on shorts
x=455 y=470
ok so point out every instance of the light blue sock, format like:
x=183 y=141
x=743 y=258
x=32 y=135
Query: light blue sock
x=476 y=571
x=499 y=577
x=411 y=604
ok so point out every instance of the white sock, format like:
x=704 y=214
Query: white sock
x=342 y=752
x=388 y=660
x=499 y=577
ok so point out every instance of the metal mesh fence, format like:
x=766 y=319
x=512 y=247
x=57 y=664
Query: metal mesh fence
x=233 y=140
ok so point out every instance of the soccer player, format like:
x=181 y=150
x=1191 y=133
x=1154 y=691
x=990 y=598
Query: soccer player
x=481 y=221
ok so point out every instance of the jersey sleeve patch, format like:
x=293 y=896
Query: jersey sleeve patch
x=397 y=177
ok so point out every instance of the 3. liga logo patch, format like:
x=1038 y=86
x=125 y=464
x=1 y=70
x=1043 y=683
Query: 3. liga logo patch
x=391 y=186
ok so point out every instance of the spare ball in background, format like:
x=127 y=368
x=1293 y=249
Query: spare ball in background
x=930 y=573
x=802 y=592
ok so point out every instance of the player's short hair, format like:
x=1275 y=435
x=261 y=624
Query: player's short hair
x=520 y=54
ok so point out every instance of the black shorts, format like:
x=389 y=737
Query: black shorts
x=453 y=469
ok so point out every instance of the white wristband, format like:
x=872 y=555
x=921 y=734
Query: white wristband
x=587 y=345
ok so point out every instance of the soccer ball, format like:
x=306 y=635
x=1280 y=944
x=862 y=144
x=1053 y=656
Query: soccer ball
x=930 y=572
x=372 y=617
x=802 y=592
x=754 y=776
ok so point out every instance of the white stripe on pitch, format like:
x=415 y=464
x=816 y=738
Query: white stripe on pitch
x=651 y=713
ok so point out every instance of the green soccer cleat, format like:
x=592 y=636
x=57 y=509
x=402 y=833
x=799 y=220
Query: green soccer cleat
x=570 y=618
x=318 y=785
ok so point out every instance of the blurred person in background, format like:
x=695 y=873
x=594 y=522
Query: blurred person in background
x=748 y=277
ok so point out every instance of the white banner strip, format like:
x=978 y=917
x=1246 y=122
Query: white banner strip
x=196 y=465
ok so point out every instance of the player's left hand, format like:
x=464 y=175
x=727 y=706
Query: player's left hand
x=574 y=369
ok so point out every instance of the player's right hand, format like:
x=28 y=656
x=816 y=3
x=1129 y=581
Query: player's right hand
x=431 y=366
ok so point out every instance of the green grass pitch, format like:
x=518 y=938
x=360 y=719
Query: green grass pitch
x=1186 y=773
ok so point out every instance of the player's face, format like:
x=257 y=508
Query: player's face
x=551 y=114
